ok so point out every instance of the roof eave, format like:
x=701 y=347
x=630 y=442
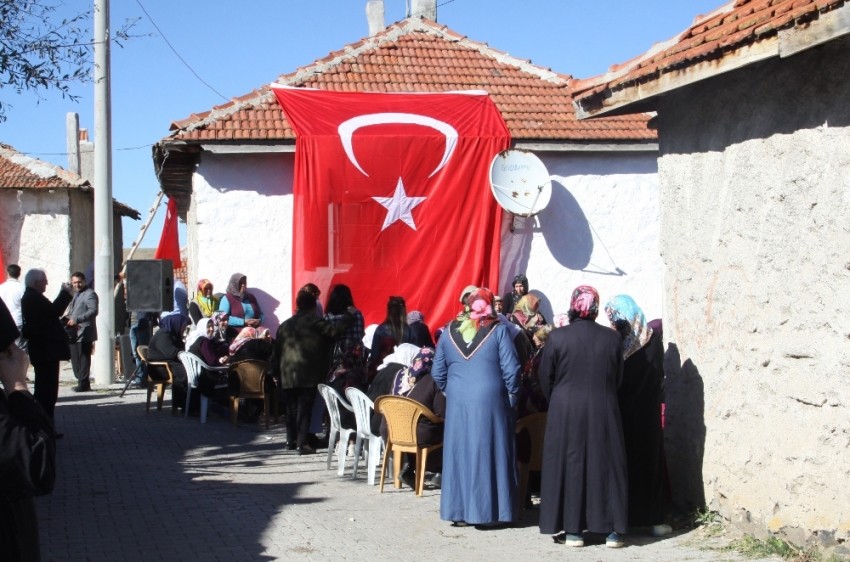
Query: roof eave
x=642 y=95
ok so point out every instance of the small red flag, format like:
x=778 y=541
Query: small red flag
x=169 y=243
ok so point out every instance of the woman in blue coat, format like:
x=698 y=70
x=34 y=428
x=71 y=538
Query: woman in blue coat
x=477 y=368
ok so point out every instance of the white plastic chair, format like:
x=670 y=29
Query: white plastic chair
x=363 y=408
x=333 y=400
x=193 y=365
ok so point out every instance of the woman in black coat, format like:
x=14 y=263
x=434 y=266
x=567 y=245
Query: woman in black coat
x=583 y=481
x=165 y=344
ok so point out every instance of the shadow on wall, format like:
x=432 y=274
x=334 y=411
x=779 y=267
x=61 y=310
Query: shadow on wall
x=268 y=304
x=566 y=230
x=684 y=434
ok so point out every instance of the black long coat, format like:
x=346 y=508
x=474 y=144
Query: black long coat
x=303 y=349
x=583 y=481
x=640 y=406
x=47 y=340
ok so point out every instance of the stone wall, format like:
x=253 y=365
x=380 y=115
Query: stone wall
x=755 y=176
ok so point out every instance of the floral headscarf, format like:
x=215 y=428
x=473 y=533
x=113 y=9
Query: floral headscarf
x=207 y=305
x=584 y=303
x=245 y=335
x=525 y=312
x=627 y=318
x=420 y=366
x=481 y=314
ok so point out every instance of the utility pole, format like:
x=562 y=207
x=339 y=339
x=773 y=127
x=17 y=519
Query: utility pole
x=103 y=363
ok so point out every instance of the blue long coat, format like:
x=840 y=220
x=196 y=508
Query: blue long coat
x=479 y=461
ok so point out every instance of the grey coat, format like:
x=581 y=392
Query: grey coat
x=83 y=311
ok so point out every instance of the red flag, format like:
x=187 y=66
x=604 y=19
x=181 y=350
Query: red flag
x=392 y=196
x=169 y=243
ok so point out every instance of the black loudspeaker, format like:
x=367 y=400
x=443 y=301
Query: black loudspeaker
x=150 y=285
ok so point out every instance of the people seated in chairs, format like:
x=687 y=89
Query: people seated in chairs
x=201 y=344
x=401 y=357
x=240 y=305
x=251 y=343
x=415 y=382
x=165 y=344
x=205 y=303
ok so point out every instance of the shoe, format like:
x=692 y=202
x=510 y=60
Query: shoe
x=614 y=540
x=437 y=480
x=568 y=539
x=460 y=524
x=82 y=388
x=661 y=530
x=407 y=477
x=291 y=446
x=306 y=450
x=314 y=441
x=136 y=384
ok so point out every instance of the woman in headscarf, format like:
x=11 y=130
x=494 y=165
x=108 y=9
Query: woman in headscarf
x=200 y=342
x=420 y=330
x=204 y=304
x=399 y=358
x=477 y=369
x=249 y=345
x=239 y=304
x=223 y=332
x=640 y=398
x=583 y=482
x=526 y=315
x=165 y=344
x=415 y=382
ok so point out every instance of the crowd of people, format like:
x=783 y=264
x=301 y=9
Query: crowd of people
x=498 y=361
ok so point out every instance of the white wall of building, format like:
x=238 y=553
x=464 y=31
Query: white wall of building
x=600 y=228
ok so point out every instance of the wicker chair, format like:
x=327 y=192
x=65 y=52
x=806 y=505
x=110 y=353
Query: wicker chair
x=251 y=379
x=402 y=415
x=167 y=377
x=535 y=426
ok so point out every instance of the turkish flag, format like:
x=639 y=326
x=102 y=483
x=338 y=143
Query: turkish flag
x=169 y=243
x=392 y=195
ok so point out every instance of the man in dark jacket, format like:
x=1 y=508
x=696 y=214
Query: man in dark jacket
x=27 y=451
x=47 y=340
x=301 y=359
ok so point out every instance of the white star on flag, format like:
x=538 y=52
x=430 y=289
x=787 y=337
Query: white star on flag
x=399 y=206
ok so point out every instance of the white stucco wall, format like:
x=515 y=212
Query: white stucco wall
x=601 y=228
x=755 y=174
x=604 y=219
x=36 y=233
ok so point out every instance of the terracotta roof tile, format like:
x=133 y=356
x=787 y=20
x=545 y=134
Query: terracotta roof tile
x=18 y=171
x=735 y=25
x=421 y=56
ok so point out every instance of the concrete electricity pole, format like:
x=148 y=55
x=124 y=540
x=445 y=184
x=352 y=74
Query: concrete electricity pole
x=103 y=364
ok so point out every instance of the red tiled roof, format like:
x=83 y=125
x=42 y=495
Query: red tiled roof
x=18 y=171
x=421 y=56
x=716 y=36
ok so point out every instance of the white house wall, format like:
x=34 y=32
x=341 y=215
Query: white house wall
x=601 y=229
x=36 y=232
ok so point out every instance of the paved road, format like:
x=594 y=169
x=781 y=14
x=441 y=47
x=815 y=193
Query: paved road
x=136 y=486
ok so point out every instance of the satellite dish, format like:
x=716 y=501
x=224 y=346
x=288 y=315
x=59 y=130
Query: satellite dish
x=520 y=182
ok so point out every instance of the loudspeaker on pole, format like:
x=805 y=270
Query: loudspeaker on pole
x=150 y=285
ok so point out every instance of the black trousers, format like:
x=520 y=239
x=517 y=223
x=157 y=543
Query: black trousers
x=46 y=388
x=81 y=361
x=299 y=410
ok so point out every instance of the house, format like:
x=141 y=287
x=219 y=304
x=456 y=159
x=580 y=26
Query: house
x=231 y=171
x=754 y=130
x=47 y=218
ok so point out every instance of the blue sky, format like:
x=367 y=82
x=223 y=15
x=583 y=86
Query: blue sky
x=236 y=47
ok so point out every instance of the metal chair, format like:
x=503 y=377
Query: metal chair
x=337 y=435
x=535 y=426
x=363 y=407
x=158 y=383
x=402 y=415
x=194 y=365
x=251 y=379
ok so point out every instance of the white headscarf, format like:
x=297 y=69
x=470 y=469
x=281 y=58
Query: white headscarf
x=199 y=331
x=402 y=354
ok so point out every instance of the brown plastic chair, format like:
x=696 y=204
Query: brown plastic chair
x=251 y=379
x=402 y=415
x=535 y=426
x=159 y=384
